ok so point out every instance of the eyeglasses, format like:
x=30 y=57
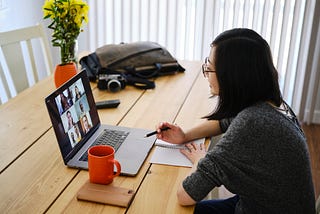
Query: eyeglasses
x=205 y=70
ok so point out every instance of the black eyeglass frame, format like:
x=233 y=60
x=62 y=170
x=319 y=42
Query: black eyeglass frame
x=205 y=66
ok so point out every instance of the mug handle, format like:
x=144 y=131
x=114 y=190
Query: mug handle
x=115 y=162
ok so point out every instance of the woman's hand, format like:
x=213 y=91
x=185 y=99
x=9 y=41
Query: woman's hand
x=194 y=152
x=174 y=134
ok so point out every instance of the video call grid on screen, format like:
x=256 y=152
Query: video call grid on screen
x=73 y=108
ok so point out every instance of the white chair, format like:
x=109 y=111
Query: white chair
x=24 y=57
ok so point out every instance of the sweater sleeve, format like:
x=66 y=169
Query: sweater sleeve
x=201 y=182
x=224 y=164
x=224 y=124
x=263 y=158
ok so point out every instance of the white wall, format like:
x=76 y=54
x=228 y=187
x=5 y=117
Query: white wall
x=23 y=13
x=16 y=14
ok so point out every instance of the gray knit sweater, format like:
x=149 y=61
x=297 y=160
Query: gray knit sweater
x=263 y=158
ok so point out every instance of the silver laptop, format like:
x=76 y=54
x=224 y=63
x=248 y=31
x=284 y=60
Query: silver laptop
x=77 y=127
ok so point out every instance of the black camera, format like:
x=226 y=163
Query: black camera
x=111 y=82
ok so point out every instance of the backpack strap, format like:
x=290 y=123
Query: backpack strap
x=140 y=82
x=145 y=74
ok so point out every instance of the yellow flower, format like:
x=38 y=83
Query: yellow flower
x=67 y=18
x=85 y=11
x=47 y=8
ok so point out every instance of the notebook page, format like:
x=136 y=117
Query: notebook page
x=169 y=154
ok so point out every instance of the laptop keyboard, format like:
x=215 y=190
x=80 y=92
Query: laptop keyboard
x=108 y=137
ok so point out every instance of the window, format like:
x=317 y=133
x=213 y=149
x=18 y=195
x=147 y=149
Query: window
x=187 y=27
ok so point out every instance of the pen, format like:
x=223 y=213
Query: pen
x=155 y=132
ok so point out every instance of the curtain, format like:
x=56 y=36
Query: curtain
x=187 y=27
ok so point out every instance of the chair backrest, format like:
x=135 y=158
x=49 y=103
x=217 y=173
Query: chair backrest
x=24 y=54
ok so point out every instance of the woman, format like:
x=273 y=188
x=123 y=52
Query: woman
x=262 y=157
x=77 y=92
x=70 y=120
x=86 y=124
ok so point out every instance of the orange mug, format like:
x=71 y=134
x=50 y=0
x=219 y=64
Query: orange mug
x=101 y=164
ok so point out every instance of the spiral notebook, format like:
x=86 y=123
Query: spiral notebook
x=169 y=154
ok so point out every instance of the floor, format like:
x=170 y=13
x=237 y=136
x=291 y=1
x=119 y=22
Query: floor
x=312 y=133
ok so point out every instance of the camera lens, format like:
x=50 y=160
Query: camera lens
x=114 y=85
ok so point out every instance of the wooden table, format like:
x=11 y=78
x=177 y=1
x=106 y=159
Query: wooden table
x=33 y=178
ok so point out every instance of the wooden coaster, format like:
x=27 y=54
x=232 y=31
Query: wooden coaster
x=106 y=194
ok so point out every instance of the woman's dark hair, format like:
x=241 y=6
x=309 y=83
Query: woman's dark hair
x=245 y=72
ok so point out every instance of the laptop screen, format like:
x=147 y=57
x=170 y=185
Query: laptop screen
x=73 y=114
